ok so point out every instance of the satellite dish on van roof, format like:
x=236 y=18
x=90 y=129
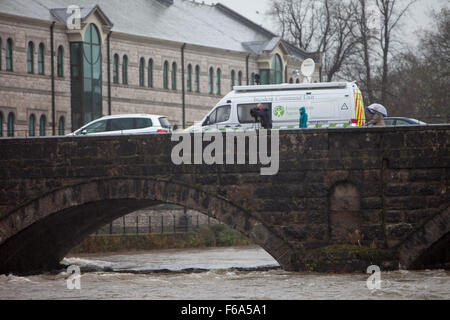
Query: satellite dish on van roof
x=308 y=67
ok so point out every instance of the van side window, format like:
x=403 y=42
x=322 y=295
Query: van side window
x=142 y=123
x=243 y=111
x=219 y=115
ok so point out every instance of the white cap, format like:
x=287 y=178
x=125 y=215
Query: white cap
x=377 y=108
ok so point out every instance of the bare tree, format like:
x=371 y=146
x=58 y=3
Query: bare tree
x=318 y=26
x=391 y=12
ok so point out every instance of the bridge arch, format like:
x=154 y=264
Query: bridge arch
x=428 y=245
x=39 y=234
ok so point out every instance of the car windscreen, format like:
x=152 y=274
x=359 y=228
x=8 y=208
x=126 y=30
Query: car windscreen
x=96 y=127
x=164 y=122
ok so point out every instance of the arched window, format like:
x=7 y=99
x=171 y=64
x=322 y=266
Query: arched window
x=42 y=125
x=116 y=68
x=252 y=79
x=197 y=78
x=62 y=125
x=291 y=80
x=11 y=124
x=60 y=62
x=9 y=55
x=297 y=81
x=125 y=69
x=233 y=79
x=92 y=74
x=30 y=57
x=150 y=73
x=1 y=123
x=211 y=81
x=166 y=75
x=142 y=72
x=218 y=81
x=189 y=78
x=41 y=53
x=32 y=126
x=174 y=76
x=240 y=78
x=277 y=70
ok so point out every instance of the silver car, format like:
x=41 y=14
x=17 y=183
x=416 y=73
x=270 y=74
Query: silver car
x=125 y=125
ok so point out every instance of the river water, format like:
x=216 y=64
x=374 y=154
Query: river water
x=244 y=273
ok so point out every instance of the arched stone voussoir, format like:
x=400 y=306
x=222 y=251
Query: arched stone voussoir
x=423 y=238
x=98 y=196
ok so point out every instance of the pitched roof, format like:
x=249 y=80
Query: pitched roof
x=182 y=21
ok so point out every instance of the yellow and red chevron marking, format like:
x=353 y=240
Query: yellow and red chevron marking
x=360 y=113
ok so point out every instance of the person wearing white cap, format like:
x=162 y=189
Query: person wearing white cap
x=379 y=113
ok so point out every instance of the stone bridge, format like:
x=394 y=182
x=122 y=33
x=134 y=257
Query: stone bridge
x=343 y=199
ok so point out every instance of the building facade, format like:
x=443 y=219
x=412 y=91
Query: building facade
x=62 y=66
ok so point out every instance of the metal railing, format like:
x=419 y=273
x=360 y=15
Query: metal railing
x=163 y=224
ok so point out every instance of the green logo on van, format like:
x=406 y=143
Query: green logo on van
x=279 y=111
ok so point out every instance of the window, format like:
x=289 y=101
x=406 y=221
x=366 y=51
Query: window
x=86 y=78
x=240 y=78
x=30 y=57
x=166 y=75
x=276 y=73
x=122 y=124
x=252 y=79
x=60 y=62
x=297 y=81
x=197 y=79
x=116 y=68
x=219 y=115
x=174 y=76
x=142 y=123
x=164 y=122
x=62 y=125
x=11 y=124
x=32 y=126
x=244 y=115
x=9 y=55
x=97 y=127
x=141 y=72
x=42 y=125
x=291 y=80
x=218 y=81
x=233 y=78
x=125 y=69
x=264 y=76
x=189 y=78
x=41 y=54
x=150 y=73
x=211 y=81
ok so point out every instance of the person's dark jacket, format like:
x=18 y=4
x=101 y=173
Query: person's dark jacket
x=264 y=117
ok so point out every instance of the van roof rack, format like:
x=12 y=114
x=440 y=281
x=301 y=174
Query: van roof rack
x=291 y=87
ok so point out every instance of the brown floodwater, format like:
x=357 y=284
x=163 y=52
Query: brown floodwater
x=243 y=273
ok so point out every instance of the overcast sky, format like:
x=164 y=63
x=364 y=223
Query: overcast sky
x=255 y=10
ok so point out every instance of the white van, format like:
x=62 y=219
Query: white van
x=338 y=104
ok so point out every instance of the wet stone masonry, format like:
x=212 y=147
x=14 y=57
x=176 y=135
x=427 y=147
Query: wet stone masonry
x=342 y=200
